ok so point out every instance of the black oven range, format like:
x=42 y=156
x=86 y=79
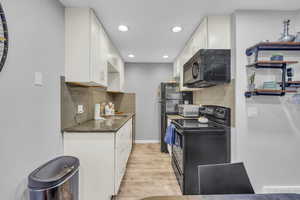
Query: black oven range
x=200 y=144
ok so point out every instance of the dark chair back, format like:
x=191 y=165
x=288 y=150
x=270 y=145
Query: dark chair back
x=229 y=178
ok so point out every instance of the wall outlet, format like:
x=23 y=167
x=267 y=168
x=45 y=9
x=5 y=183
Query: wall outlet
x=80 y=109
x=38 y=78
x=252 y=111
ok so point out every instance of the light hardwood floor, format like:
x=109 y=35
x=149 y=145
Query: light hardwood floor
x=149 y=173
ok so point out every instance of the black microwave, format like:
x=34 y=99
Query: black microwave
x=208 y=67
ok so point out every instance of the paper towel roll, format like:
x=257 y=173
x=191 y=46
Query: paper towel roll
x=97 y=112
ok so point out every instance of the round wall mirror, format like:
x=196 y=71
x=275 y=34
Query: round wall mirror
x=3 y=38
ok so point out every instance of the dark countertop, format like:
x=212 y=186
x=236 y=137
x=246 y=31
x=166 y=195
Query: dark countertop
x=230 y=197
x=110 y=124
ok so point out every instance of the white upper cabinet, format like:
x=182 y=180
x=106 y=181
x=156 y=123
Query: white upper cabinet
x=85 y=61
x=212 y=33
x=218 y=32
x=122 y=75
x=90 y=54
x=98 y=63
x=199 y=38
x=176 y=68
x=115 y=71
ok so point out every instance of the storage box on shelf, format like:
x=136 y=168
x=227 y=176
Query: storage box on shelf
x=273 y=64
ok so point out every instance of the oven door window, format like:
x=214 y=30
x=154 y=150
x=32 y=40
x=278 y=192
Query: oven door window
x=178 y=150
x=188 y=73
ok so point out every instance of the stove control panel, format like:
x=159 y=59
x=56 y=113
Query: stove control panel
x=220 y=113
x=216 y=113
x=207 y=110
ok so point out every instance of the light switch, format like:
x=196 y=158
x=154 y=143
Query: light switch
x=252 y=111
x=80 y=109
x=38 y=78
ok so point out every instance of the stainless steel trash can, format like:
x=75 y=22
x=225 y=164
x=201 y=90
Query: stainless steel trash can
x=55 y=180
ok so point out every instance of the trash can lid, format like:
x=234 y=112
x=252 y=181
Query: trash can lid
x=53 y=172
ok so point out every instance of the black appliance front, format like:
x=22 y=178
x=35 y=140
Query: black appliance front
x=199 y=145
x=170 y=98
x=168 y=107
x=208 y=67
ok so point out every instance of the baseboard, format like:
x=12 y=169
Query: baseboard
x=281 y=189
x=146 y=141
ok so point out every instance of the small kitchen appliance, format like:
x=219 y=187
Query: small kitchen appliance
x=97 y=113
x=208 y=67
x=188 y=110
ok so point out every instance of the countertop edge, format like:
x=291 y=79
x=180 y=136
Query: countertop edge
x=74 y=130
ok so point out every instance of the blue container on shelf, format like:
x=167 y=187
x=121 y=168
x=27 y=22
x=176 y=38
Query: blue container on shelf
x=272 y=85
x=277 y=58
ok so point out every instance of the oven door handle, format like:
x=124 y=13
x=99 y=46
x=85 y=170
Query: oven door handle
x=178 y=137
x=213 y=131
x=177 y=166
x=178 y=130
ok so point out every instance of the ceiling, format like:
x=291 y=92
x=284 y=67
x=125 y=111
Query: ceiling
x=150 y=22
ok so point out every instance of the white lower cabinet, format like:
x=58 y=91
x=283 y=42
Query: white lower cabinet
x=103 y=159
x=122 y=152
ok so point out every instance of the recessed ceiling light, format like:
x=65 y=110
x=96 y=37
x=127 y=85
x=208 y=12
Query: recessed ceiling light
x=131 y=56
x=123 y=28
x=165 y=56
x=176 y=29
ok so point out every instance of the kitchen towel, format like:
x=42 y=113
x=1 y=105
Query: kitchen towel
x=170 y=135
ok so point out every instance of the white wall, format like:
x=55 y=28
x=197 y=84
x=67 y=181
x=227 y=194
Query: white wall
x=30 y=115
x=267 y=142
x=144 y=79
x=297 y=20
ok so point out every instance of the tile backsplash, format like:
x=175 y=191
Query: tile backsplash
x=72 y=96
x=221 y=95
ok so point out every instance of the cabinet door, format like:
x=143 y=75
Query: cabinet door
x=219 y=32
x=118 y=160
x=122 y=74
x=96 y=154
x=103 y=56
x=176 y=72
x=198 y=41
x=200 y=38
x=95 y=65
x=130 y=130
x=77 y=46
x=122 y=152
